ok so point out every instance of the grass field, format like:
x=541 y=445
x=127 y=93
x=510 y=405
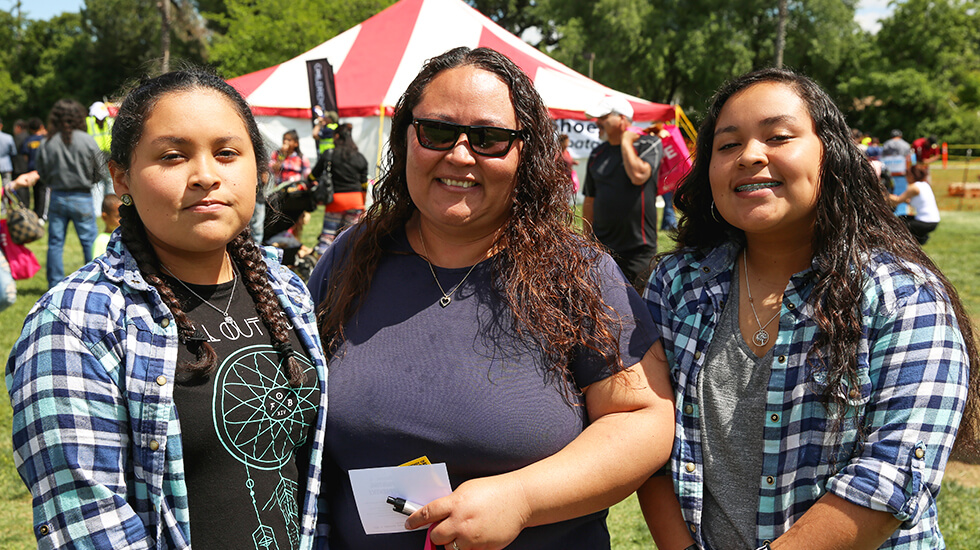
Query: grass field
x=955 y=247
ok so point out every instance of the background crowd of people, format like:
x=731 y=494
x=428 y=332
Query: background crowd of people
x=798 y=369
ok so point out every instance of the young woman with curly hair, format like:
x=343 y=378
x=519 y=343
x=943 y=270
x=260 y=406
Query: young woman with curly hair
x=173 y=389
x=821 y=361
x=467 y=322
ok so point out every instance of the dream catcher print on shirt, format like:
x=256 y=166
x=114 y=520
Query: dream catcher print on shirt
x=259 y=420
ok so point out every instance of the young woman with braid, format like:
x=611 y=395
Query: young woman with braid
x=174 y=389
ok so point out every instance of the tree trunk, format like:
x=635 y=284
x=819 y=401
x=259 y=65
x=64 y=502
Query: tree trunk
x=781 y=33
x=164 y=6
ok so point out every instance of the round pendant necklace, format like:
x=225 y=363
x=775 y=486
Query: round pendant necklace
x=231 y=298
x=447 y=297
x=761 y=337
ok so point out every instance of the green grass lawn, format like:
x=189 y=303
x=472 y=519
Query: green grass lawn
x=954 y=247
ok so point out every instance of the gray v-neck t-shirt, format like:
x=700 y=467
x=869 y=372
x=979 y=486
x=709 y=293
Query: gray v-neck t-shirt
x=732 y=390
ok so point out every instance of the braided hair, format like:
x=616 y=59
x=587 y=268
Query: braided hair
x=246 y=255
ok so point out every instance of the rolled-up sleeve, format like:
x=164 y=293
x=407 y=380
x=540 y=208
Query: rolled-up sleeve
x=71 y=437
x=917 y=369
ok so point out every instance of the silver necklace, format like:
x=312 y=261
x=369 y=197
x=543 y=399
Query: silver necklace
x=447 y=297
x=225 y=313
x=761 y=337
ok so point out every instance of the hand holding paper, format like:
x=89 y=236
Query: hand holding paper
x=490 y=510
x=373 y=486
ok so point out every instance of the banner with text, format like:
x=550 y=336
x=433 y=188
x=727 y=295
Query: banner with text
x=323 y=93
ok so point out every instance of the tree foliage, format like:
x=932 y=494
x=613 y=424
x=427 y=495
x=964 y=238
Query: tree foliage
x=920 y=72
x=88 y=55
x=924 y=77
x=261 y=34
x=680 y=51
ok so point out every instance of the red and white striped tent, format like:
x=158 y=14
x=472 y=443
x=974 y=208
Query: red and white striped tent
x=375 y=61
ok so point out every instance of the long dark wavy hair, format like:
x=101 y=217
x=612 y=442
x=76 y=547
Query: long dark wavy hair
x=126 y=133
x=545 y=272
x=66 y=116
x=853 y=221
x=344 y=146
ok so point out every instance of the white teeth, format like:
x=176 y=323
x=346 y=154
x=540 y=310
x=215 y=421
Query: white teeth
x=754 y=186
x=459 y=183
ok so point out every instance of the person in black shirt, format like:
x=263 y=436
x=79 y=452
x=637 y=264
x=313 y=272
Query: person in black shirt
x=348 y=169
x=621 y=189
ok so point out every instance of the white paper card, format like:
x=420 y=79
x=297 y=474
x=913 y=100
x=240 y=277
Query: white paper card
x=372 y=487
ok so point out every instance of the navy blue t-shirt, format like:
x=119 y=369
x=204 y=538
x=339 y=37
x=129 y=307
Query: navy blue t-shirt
x=453 y=384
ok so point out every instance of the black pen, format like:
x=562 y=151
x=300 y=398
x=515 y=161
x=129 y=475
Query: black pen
x=403 y=506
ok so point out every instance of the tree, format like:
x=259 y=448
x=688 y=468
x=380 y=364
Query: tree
x=781 y=32
x=516 y=16
x=925 y=76
x=265 y=33
x=12 y=94
x=50 y=64
x=677 y=51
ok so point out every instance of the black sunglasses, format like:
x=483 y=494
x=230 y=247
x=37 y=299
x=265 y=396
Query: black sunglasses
x=487 y=141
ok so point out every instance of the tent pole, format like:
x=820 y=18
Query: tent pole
x=381 y=139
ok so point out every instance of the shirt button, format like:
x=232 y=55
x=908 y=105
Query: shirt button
x=693 y=528
x=154 y=445
x=770 y=480
x=782 y=359
x=165 y=323
x=697 y=355
x=161 y=380
x=43 y=530
x=706 y=269
x=790 y=306
x=774 y=417
x=854 y=394
x=919 y=453
x=690 y=467
x=688 y=409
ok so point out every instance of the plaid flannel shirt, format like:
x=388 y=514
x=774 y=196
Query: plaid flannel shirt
x=913 y=372
x=95 y=433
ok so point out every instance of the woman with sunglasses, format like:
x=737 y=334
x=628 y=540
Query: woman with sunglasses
x=467 y=322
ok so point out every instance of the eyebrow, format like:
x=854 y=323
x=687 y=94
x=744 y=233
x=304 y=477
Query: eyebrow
x=176 y=140
x=494 y=123
x=769 y=121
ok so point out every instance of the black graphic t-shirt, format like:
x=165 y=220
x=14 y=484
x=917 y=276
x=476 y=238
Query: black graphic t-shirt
x=244 y=431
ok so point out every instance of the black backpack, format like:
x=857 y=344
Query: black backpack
x=323 y=193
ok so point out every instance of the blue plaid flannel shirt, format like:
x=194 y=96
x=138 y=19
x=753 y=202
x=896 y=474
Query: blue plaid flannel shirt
x=913 y=370
x=95 y=434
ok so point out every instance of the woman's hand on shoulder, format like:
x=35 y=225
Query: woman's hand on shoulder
x=481 y=514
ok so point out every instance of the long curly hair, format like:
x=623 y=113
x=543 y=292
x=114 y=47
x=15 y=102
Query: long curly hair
x=545 y=273
x=66 y=116
x=853 y=221
x=248 y=258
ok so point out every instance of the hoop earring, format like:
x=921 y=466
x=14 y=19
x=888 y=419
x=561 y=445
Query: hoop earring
x=127 y=199
x=715 y=214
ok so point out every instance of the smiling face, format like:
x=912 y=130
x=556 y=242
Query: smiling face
x=457 y=189
x=192 y=175
x=765 y=162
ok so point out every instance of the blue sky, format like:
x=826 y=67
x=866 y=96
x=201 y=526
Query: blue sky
x=868 y=13
x=44 y=9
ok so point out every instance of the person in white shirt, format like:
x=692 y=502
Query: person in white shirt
x=920 y=197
